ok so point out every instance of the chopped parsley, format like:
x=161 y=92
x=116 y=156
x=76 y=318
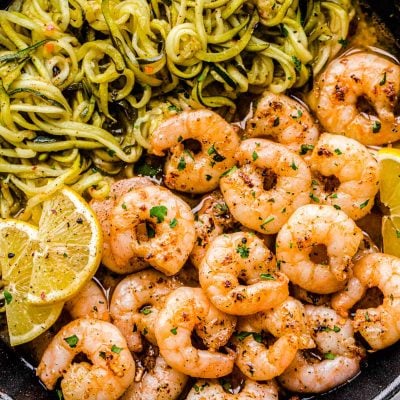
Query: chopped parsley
x=173 y=223
x=364 y=204
x=276 y=122
x=343 y=42
x=229 y=171
x=314 y=198
x=159 y=212
x=376 y=127
x=329 y=356
x=212 y=151
x=181 y=164
x=383 y=81
x=338 y=152
x=243 y=250
x=337 y=207
x=146 y=310
x=254 y=156
x=116 y=349
x=208 y=177
x=174 y=331
x=267 y=277
x=266 y=221
x=294 y=166
x=7 y=296
x=111 y=153
x=305 y=148
x=124 y=206
x=242 y=335
x=72 y=341
x=398 y=233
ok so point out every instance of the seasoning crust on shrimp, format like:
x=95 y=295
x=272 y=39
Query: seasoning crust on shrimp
x=345 y=175
x=196 y=170
x=112 y=368
x=187 y=309
x=136 y=302
x=312 y=228
x=160 y=244
x=284 y=119
x=241 y=255
x=269 y=185
x=350 y=79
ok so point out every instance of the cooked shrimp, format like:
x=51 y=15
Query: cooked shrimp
x=257 y=361
x=159 y=383
x=89 y=302
x=212 y=390
x=347 y=83
x=202 y=146
x=136 y=302
x=380 y=326
x=345 y=175
x=340 y=360
x=315 y=376
x=212 y=219
x=112 y=368
x=271 y=183
x=187 y=309
x=315 y=248
x=241 y=255
x=287 y=318
x=103 y=209
x=152 y=223
x=285 y=120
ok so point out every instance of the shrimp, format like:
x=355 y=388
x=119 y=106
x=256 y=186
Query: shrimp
x=380 y=326
x=158 y=383
x=202 y=146
x=254 y=359
x=152 y=223
x=340 y=360
x=136 y=302
x=315 y=248
x=112 y=367
x=357 y=95
x=345 y=175
x=241 y=255
x=285 y=120
x=287 y=318
x=212 y=219
x=187 y=309
x=271 y=183
x=103 y=209
x=212 y=390
x=89 y=302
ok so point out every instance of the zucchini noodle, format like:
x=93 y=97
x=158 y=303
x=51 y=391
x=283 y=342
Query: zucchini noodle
x=84 y=82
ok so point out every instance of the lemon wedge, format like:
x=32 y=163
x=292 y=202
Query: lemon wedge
x=69 y=248
x=18 y=243
x=389 y=182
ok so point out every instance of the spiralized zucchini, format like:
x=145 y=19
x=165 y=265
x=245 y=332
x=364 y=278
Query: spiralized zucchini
x=83 y=82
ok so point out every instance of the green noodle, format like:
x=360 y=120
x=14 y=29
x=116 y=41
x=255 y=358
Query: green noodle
x=84 y=82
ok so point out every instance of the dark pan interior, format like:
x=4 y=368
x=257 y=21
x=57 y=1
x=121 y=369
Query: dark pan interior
x=380 y=377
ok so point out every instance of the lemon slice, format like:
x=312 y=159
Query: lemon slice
x=18 y=242
x=389 y=186
x=69 y=248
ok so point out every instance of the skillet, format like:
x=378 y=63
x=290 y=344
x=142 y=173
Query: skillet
x=380 y=376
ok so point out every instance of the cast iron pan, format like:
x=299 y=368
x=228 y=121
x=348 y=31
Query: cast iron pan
x=380 y=376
